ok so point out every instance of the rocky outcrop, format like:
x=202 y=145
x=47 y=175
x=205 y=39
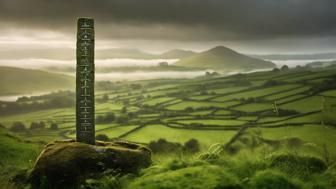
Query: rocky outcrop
x=65 y=164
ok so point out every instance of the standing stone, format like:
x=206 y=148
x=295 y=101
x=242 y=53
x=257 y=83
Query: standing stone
x=85 y=109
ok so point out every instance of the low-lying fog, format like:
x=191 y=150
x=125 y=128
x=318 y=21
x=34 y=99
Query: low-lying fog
x=100 y=63
x=294 y=63
x=46 y=64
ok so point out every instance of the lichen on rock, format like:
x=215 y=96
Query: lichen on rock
x=68 y=163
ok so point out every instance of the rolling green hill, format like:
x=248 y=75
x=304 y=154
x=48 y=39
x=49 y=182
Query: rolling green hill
x=233 y=118
x=22 y=81
x=176 y=54
x=138 y=54
x=124 y=53
x=224 y=59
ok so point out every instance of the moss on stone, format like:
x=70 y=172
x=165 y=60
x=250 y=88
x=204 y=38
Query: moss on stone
x=67 y=163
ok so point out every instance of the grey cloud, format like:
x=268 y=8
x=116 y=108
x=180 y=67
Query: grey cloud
x=179 y=19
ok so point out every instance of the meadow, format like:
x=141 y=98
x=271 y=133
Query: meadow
x=256 y=115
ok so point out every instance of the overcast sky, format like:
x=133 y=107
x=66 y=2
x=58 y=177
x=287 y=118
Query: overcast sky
x=249 y=26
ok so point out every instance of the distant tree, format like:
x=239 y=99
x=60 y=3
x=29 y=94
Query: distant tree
x=164 y=146
x=99 y=119
x=124 y=110
x=298 y=67
x=102 y=137
x=126 y=102
x=131 y=115
x=271 y=83
x=276 y=70
x=211 y=74
x=163 y=64
x=53 y=126
x=189 y=109
x=328 y=84
x=42 y=124
x=284 y=68
x=105 y=98
x=22 y=99
x=192 y=146
x=34 y=125
x=122 y=119
x=18 y=127
x=135 y=86
x=109 y=117
x=213 y=93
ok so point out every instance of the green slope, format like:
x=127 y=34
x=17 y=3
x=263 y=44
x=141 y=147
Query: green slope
x=176 y=54
x=22 y=81
x=224 y=59
x=124 y=53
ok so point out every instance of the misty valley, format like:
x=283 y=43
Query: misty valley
x=178 y=94
x=257 y=122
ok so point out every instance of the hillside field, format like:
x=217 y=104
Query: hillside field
x=284 y=111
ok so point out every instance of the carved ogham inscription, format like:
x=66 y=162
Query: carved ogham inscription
x=85 y=111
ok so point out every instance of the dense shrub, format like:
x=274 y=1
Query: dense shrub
x=53 y=126
x=327 y=84
x=276 y=70
x=191 y=146
x=17 y=127
x=284 y=68
x=36 y=125
x=107 y=118
x=164 y=146
x=271 y=83
x=189 y=109
x=286 y=112
x=181 y=175
x=122 y=119
x=272 y=180
x=301 y=166
x=104 y=98
x=102 y=137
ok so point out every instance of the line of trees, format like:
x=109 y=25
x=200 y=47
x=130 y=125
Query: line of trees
x=19 y=126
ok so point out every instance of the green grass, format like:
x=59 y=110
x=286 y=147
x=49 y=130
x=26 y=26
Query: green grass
x=115 y=132
x=288 y=93
x=290 y=99
x=314 y=136
x=154 y=132
x=15 y=152
x=258 y=92
x=216 y=122
x=201 y=97
x=220 y=112
x=310 y=104
x=329 y=93
x=31 y=81
x=254 y=107
x=228 y=89
x=194 y=104
x=223 y=112
x=155 y=101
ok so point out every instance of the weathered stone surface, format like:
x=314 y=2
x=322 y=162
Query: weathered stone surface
x=85 y=104
x=67 y=163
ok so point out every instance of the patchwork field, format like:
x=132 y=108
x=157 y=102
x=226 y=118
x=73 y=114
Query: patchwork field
x=185 y=108
x=262 y=112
